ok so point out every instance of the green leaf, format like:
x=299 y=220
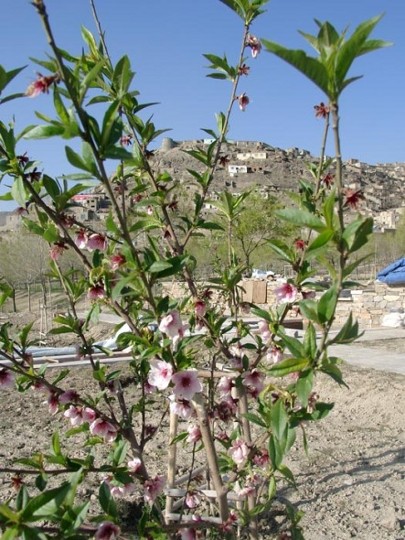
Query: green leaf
x=348 y=333
x=122 y=76
x=46 y=504
x=120 y=452
x=356 y=233
x=320 y=241
x=51 y=186
x=11 y=97
x=255 y=419
x=287 y=473
x=60 y=107
x=107 y=502
x=327 y=304
x=301 y=218
x=258 y=312
x=19 y=192
x=307 y=65
x=56 y=444
x=159 y=266
x=7 y=513
x=357 y=45
x=109 y=136
x=85 y=162
x=6 y=291
x=279 y=420
x=272 y=488
x=304 y=386
x=290 y=365
x=310 y=340
x=45 y=131
x=309 y=309
x=283 y=251
x=11 y=533
x=294 y=345
x=90 y=77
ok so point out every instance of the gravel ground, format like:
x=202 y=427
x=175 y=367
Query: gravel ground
x=351 y=485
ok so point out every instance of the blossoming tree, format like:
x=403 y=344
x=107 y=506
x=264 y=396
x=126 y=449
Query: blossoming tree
x=234 y=397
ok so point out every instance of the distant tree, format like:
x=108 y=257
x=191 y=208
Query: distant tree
x=24 y=261
x=256 y=224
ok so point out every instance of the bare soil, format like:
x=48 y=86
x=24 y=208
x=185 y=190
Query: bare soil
x=350 y=485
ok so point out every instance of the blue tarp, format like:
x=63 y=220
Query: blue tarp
x=394 y=273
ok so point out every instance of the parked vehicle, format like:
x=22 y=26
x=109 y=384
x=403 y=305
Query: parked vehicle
x=261 y=274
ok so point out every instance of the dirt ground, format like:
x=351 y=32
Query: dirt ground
x=351 y=484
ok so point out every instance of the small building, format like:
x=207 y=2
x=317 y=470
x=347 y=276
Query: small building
x=237 y=169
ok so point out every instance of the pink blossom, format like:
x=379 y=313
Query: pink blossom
x=6 y=378
x=286 y=293
x=200 y=308
x=134 y=465
x=239 y=451
x=226 y=409
x=243 y=101
x=117 y=261
x=274 y=355
x=245 y=491
x=68 y=397
x=126 y=140
x=107 y=531
x=148 y=388
x=172 y=325
x=153 y=488
x=39 y=386
x=322 y=110
x=264 y=329
x=53 y=403
x=254 y=381
x=225 y=386
x=230 y=522
x=192 y=499
x=181 y=407
x=96 y=292
x=186 y=383
x=104 y=429
x=222 y=436
x=57 y=250
x=97 y=241
x=81 y=239
x=262 y=458
x=254 y=43
x=41 y=85
x=149 y=210
x=160 y=374
x=300 y=244
x=188 y=534
x=119 y=492
x=79 y=415
x=75 y=415
x=88 y=414
x=194 y=433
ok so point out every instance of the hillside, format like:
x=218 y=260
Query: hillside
x=274 y=171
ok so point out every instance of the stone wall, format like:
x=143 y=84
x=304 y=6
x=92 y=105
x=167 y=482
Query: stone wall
x=368 y=305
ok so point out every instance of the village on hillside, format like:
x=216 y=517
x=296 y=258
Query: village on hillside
x=269 y=170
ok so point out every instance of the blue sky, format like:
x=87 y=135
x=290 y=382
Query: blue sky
x=166 y=40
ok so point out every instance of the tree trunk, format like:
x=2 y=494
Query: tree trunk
x=29 y=296
x=13 y=297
